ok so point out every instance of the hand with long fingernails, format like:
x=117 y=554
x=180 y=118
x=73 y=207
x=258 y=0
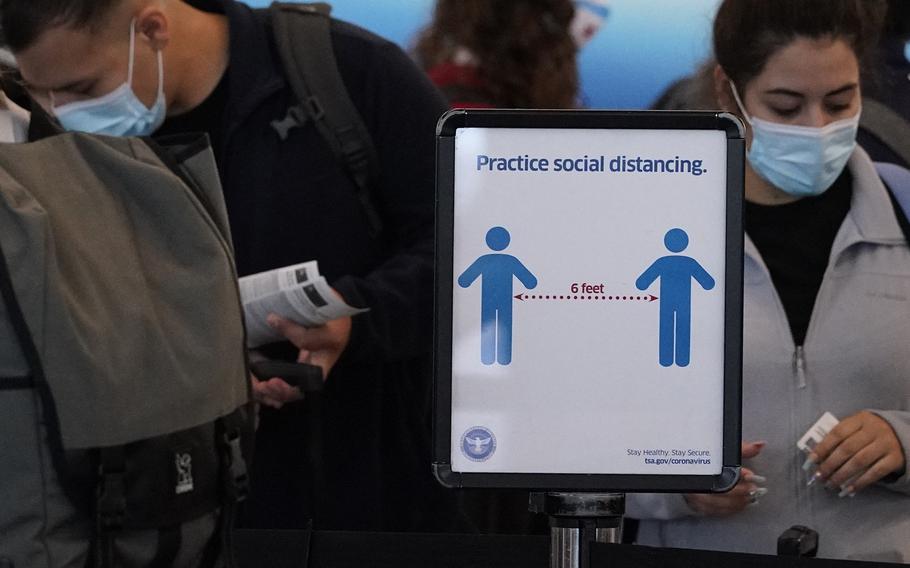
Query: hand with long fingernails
x=748 y=490
x=861 y=450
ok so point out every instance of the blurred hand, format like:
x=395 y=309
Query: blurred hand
x=859 y=451
x=746 y=492
x=274 y=392
x=321 y=345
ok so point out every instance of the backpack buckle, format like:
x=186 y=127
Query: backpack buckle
x=237 y=482
x=295 y=118
x=111 y=499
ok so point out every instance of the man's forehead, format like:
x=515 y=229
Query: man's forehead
x=62 y=55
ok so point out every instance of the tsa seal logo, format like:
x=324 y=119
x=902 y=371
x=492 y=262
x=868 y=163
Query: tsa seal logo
x=478 y=444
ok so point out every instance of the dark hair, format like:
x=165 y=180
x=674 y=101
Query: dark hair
x=748 y=32
x=898 y=18
x=524 y=50
x=23 y=21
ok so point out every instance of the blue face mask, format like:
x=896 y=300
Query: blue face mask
x=800 y=160
x=120 y=112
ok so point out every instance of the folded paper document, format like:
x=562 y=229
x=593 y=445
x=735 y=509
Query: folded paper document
x=297 y=293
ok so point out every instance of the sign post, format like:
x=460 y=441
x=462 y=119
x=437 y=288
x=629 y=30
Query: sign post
x=588 y=303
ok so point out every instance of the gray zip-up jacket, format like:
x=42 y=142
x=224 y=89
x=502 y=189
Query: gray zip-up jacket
x=856 y=356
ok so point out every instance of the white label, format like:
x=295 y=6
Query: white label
x=184 y=465
x=817 y=432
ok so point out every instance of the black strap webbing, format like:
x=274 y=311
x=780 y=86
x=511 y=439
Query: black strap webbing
x=304 y=44
x=37 y=378
x=889 y=127
x=170 y=540
x=17 y=318
x=16 y=383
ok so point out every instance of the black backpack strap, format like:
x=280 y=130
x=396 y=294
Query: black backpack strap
x=889 y=127
x=36 y=369
x=20 y=327
x=304 y=44
x=110 y=504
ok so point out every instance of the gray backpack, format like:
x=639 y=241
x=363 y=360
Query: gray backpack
x=124 y=417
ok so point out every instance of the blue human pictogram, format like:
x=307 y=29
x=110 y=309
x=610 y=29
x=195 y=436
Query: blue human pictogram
x=676 y=273
x=498 y=271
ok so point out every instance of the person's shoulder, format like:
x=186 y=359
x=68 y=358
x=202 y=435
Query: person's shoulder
x=373 y=66
x=349 y=38
x=359 y=51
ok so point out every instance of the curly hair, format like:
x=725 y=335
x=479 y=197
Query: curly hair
x=524 y=52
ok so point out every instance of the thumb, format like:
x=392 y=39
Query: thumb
x=751 y=449
x=293 y=332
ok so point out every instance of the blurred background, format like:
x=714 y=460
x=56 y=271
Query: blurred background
x=626 y=66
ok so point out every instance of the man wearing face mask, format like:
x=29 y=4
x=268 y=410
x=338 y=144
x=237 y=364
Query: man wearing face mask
x=120 y=112
x=138 y=67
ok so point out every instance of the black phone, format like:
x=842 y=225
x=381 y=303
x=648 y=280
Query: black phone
x=306 y=377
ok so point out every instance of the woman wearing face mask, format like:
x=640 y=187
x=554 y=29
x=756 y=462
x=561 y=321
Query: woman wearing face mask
x=826 y=298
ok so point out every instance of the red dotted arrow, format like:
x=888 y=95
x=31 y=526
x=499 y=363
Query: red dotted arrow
x=586 y=297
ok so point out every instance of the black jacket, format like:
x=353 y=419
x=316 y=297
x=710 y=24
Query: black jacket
x=289 y=202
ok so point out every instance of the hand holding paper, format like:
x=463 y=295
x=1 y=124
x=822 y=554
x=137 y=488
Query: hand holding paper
x=321 y=345
x=859 y=451
x=298 y=295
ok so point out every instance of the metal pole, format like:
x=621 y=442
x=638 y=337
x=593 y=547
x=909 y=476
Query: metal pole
x=577 y=520
x=565 y=547
x=610 y=535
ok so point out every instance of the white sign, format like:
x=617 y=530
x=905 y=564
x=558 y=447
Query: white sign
x=588 y=301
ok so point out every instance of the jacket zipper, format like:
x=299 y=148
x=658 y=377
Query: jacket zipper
x=801 y=502
x=799 y=367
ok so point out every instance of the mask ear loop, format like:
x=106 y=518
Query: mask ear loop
x=739 y=103
x=129 y=75
x=158 y=53
x=160 y=72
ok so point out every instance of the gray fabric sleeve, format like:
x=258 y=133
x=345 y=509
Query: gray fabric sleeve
x=658 y=506
x=899 y=420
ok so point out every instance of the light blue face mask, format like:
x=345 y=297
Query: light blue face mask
x=799 y=160
x=120 y=112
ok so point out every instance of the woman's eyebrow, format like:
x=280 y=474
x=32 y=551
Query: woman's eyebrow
x=782 y=91
x=844 y=89
x=792 y=93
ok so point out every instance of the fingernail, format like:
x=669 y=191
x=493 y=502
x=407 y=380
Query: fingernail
x=848 y=491
x=815 y=477
x=808 y=463
x=756 y=478
x=756 y=494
